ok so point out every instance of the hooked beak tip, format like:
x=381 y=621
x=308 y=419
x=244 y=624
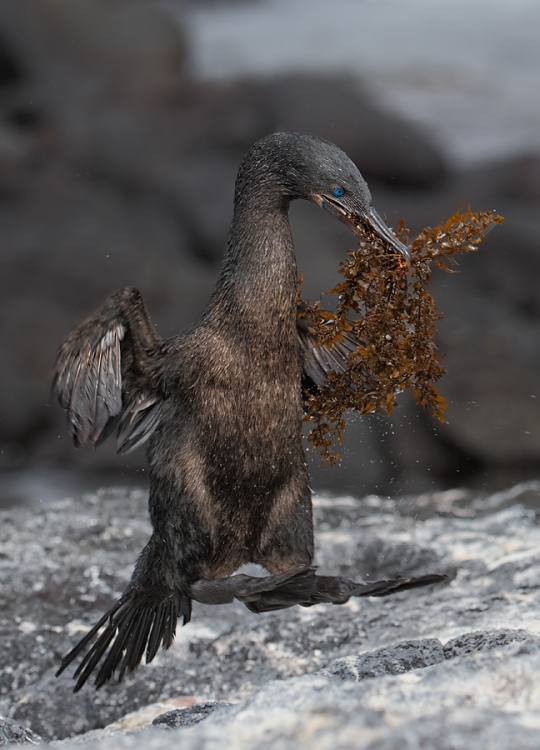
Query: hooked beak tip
x=356 y=221
x=385 y=233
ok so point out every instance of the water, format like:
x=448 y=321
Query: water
x=467 y=70
x=43 y=486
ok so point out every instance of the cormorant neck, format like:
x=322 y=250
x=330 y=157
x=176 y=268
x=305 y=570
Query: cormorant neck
x=258 y=278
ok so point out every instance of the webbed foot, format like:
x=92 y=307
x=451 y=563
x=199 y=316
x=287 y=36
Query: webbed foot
x=299 y=585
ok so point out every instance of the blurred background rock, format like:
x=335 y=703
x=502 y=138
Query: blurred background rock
x=122 y=124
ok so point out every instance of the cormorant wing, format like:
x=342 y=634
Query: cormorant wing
x=106 y=374
x=319 y=360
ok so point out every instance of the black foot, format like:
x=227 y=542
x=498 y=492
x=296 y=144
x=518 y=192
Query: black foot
x=299 y=585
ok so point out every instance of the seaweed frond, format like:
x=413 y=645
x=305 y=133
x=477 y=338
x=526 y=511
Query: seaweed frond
x=389 y=308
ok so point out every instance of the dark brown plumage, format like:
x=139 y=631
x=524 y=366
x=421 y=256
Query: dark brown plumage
x=221 y=408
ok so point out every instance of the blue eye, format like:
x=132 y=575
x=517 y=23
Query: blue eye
x=338 y=192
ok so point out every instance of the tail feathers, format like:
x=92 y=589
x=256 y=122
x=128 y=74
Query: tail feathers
x=131 y=628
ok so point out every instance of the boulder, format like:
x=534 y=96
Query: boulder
x=13 y=734
x=187 y=717
x=473 y=643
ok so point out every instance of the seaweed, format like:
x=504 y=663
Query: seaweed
x=386 y=303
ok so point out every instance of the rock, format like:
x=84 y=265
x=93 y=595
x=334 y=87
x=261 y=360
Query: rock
x=12 y=734
x=146 y=715
x=188 y=717
x=519 y=179
x=471 y=643
x=11 y=71
x=398 y=659
x=486 y=700
x=64 y=563
x=133 y=49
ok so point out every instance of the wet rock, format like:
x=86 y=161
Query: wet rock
x=486 y=700
x=63 y=564
x=188 y=717
x=146 y=715
x=470 y=643
x=394 y=660
x=12 y=734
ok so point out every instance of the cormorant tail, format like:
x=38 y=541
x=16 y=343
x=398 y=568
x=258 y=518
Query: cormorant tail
x=131 y=628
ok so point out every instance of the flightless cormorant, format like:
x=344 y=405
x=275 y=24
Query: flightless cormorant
x=221 y=407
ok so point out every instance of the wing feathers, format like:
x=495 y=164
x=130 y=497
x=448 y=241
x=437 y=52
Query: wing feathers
x=136 y=426
x=106 y=374
x=319 y=360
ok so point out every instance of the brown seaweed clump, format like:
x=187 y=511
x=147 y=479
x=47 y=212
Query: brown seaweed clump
x=387 y=305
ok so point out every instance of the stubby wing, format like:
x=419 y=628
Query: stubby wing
x=106 y=374
x=318 y=361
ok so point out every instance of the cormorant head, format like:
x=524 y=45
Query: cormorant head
x=300 y=165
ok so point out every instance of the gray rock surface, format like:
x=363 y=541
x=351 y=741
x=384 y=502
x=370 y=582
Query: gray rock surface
x=12 y=734
x=464 y=656
x=188 y=717
x=398 y=659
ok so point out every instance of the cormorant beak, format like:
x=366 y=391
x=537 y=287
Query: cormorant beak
x=360 y=223
x=379 y=227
